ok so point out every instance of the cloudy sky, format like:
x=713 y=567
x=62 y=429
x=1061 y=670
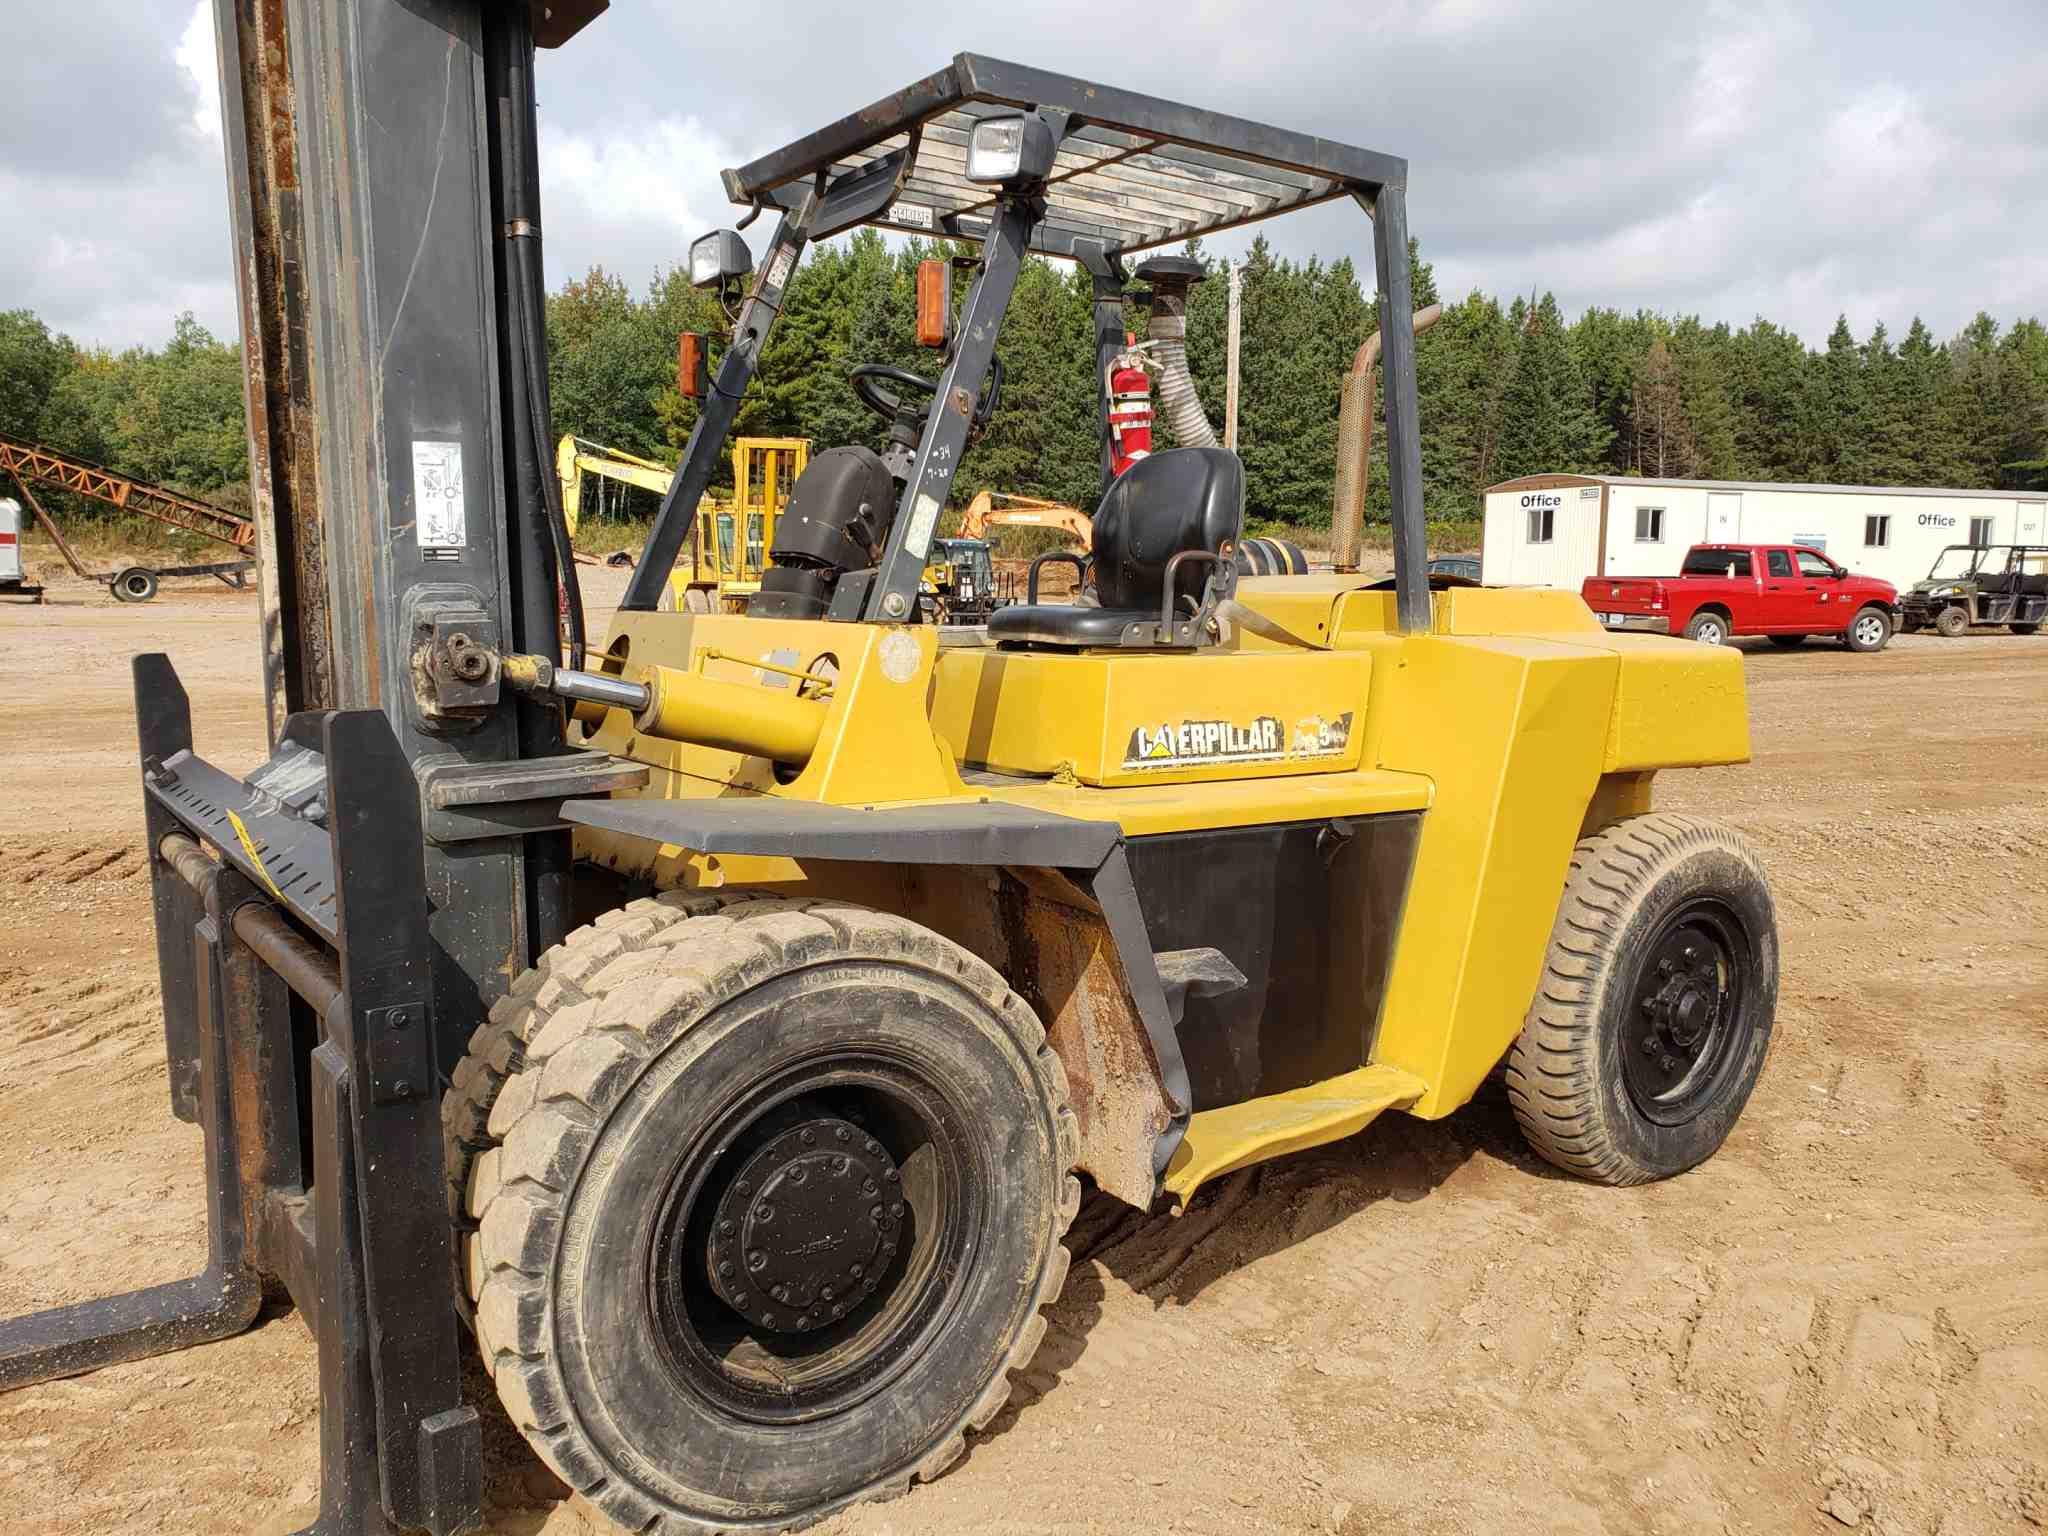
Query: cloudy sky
x=1884 y=159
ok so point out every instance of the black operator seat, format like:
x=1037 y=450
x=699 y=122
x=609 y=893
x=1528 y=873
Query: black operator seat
x=1173 y=501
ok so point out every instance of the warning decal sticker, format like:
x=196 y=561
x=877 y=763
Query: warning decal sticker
x=1260 y=740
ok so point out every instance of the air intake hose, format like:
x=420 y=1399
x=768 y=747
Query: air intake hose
x=1171 y=277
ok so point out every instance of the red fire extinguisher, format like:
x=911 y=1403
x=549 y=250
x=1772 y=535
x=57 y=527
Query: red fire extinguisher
x=1130 y=407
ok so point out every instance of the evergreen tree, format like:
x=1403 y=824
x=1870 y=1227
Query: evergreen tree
x=1841 y=410
x=1548 y=423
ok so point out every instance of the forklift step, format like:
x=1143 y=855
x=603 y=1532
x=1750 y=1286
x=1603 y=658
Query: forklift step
x=1221 y=1141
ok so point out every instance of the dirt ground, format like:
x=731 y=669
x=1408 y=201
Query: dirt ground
x=1840 y=1322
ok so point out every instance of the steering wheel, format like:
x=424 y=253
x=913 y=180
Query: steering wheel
x=887 y=406
x=880 y=401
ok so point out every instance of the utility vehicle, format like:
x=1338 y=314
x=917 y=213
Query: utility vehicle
x=1981 y=584
x=746 y=1127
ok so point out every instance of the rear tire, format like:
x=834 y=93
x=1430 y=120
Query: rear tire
x=1708 y=627
x=2025 y=629
x=699 y=1062
x=1654 y=1011
x=1788 y=642
x=1952 y=621
x=1869 y=631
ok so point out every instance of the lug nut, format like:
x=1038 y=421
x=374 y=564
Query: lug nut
x=892 y=1175
x=725 y=1228
x=858 y=1271
x=842 y=1133
x=826 y=1293
x=876 y=1213
x=796 y=1175
x=764 y=1212
x=757 y=1260
x=869 y=1186
x=725 y=1268
x=808 y=1137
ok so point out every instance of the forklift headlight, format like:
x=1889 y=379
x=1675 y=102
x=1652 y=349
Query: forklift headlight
x=1009 y=151
x=719 y=257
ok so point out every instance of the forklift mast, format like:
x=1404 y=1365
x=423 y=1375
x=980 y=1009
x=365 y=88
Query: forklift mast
x=333 y=929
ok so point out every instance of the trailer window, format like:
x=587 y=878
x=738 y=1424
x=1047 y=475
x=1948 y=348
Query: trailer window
x=1541 y=524
x=1980 y=530
x=1649 y=525
x=1877 y=531
x=1715 y=562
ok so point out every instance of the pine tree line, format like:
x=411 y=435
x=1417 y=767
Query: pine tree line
x=1503 y=390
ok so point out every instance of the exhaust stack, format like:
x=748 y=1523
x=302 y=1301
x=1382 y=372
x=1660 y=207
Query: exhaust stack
x=1354 y=444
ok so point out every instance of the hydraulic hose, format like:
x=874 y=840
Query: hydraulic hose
x=519 y=155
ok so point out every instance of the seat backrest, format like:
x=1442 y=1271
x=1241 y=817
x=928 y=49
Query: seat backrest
x=1174 y=500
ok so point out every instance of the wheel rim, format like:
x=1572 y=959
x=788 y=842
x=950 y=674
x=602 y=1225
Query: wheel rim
x=816 y=1239
x=1709 y=632
x=1869 y=630
x=1686 y=1017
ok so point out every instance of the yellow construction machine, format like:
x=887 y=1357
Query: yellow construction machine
x=772 y=1033
x=728 y=546
x=1202 y=869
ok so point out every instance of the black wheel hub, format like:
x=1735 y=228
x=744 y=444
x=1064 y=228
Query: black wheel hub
x=807 y=1226
x=1682 y=1034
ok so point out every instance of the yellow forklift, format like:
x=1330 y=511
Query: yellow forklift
x=722 y=1021
x=729 y=544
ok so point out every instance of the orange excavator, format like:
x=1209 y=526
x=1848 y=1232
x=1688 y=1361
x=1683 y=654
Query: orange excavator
x=982 y=514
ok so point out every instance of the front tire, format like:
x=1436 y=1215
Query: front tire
x=1654 y=1012
x=1952 y=621
x=1869 y=631
x=773 y=1211
x=1708 y=628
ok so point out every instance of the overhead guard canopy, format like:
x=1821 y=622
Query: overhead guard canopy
x=1133 y=172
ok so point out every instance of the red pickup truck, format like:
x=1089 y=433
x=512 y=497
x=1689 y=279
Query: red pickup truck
x=1785 y=591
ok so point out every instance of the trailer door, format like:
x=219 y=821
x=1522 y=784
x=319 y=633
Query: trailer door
x=1724 y=517
x=2033 y=523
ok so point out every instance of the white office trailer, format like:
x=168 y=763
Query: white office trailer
x=1557 y=530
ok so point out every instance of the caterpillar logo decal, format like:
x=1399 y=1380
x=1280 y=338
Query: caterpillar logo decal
x=1261 y=740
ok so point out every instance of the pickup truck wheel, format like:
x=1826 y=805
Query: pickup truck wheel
x=1868 y=631
x=1952 y=621
x=1654 y=1010
x=1788 y=642
x=1709 y=628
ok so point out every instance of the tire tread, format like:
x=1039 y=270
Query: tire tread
x=579 y=1028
